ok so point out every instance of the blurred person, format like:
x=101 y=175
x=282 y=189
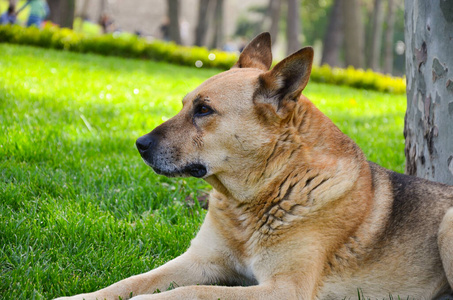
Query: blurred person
x=165 y=29
x=107 y=23
x=184 y=29
x=9 y=16
x=39 y=10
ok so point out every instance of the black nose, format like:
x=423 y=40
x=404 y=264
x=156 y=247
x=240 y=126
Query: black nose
x=145 y=142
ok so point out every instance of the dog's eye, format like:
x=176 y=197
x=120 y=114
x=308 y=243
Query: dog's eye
x=202 y=110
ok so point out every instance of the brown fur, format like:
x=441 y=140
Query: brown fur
x=296 y=211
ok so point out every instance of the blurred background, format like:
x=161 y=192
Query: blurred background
x=367 y=34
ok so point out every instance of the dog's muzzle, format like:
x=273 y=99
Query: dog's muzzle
x=161 y=164
x=145 y=145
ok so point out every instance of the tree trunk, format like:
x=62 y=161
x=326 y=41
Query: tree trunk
x=62 y=12
x=54 y=11
x=67 y=10
x=84 y=10
x=102 y=8
x=218 y=25
x=353 y=33
x=429 y=69
x=333 y=37
x=173 y=16
x=202 y=25
x=388 y=52
x=274 y=18
x=293 y=27
x=376 y=35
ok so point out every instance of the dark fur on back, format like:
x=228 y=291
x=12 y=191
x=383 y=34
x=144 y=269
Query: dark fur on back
x=414 y=198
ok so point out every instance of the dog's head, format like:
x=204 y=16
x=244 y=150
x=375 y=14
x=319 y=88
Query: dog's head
x=227 y=123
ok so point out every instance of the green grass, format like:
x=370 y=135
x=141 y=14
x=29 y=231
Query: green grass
x=79 y=209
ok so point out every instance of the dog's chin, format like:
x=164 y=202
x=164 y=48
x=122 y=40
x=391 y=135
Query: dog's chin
x=192 y=170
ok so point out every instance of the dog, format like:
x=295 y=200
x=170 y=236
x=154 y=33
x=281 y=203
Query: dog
x=296 y=211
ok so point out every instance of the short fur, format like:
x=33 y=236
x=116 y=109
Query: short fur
x=296 y=211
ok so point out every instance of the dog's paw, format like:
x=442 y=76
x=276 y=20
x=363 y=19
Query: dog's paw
x=145 y=297
x=76 y=297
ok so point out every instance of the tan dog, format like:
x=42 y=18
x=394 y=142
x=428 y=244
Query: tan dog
x=296 y=211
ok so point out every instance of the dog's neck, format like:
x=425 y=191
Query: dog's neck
x=307 y=142
x=214 y=181
x=319 y=169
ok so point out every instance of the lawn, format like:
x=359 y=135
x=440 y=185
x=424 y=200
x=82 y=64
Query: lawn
x=79 y=209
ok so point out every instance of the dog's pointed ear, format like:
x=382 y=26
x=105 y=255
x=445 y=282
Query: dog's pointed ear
x=286 y=81
x=257 y=54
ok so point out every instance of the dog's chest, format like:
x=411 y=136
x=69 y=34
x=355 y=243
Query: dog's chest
x=252 y=233
x=250 y=228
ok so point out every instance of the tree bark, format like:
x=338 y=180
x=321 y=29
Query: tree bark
x=62 y=12
x=54 y=8
x=376 y=35
x=84 y=10
x=354 y=34
x=333 y=37
x=67 y=10
x=293 y=27
x=173 y=16
x=388 y=52
x=218 y=25
x=102 y=9
x=428 y=126
x=274 y=18
x=202 y=25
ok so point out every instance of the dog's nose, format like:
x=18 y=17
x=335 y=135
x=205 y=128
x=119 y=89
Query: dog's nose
x=145 y=142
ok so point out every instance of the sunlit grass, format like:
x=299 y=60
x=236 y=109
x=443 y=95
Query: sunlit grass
x=79 y=209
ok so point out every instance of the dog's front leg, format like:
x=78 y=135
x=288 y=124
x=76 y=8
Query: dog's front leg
x=184 y=270
x=266 y=291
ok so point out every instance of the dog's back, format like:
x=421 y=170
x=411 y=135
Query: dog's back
x=418 y=205
x=400 y=245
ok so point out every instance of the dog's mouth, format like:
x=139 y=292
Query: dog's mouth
x=194 y=170
x=162 y=160
x=197 y=170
